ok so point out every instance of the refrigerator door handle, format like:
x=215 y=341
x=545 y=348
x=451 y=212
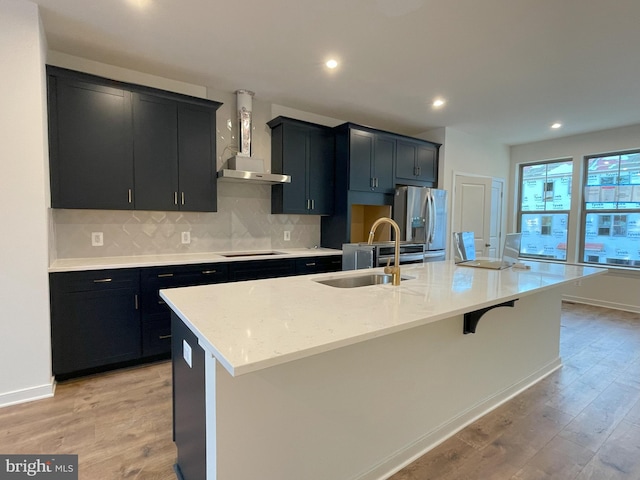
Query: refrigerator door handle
x=433 y=216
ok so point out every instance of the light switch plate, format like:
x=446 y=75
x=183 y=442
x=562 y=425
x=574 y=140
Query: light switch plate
x=186 y=238
x=186 y=353
x=287 y=235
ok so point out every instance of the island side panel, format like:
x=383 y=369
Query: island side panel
x=363 y=411
x=189 y=402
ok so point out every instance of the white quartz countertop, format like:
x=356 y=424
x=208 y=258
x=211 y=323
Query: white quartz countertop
x=256 y=324
x=104 y=263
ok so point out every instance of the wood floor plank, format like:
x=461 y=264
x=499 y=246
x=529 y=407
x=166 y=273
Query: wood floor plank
x=618 y=458
x=560 y=459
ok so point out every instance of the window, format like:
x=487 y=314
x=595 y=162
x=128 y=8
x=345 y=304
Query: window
x=611 y=219
x=543 y=214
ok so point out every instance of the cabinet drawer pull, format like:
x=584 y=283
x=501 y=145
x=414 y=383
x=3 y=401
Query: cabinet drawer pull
x=130 y=196
x=136 y=301
x=165 y=275
x=182 y=198
x=163 y=337
x=312 y=264
x=209 y=272
x=175 y=198
x=102 y=280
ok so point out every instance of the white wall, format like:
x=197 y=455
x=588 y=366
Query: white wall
x=25 y=355
x=619 y=288
x=466 y=154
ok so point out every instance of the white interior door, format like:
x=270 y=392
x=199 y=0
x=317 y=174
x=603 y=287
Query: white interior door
x=472 y=210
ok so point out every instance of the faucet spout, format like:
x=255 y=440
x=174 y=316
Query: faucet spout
x=395 y=270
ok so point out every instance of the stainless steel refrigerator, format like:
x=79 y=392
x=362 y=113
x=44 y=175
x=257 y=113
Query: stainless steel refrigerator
x=421 y=214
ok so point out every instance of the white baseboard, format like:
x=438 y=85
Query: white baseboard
x=434 y=438
x=601 y=303
x=28 y=394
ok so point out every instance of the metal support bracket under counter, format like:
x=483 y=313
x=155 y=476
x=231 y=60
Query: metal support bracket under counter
x=471 y=319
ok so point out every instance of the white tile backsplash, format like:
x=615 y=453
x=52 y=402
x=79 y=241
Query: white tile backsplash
x=243 y=222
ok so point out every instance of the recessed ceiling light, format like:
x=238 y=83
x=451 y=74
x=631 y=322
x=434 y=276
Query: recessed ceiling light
x=556 y=125
x=331 y=63
x=438 y=102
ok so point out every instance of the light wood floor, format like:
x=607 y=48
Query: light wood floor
x=582 y=422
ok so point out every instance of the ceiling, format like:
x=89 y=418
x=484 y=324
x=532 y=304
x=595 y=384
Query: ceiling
x=507 y=68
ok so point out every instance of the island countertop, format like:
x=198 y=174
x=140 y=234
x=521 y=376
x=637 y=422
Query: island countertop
x=256 y=324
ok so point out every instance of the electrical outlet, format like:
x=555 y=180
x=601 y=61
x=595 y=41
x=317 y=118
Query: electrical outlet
x=287 y=235
x=186 y=238
x=97 y=239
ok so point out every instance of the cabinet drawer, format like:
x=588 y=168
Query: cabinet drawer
x=318 y=264
x=94 y=280
x=157 y=278
x=156 y=335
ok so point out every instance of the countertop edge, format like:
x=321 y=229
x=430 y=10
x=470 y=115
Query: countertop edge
x=143 y=261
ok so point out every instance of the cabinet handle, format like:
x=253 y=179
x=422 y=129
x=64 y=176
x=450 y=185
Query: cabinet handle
x=182 y=197
x=376 y=181
x=161 y=302
x=313 y=204
x=163 y=337
x=130 y=196
x=372 y=182
x=135 y=297
x=312 y=264
x=419 y=170
x=165 y=275
x=175 y=198
x=102 y=280
x=209 y=272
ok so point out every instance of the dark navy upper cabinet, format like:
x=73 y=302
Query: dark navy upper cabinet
x=155 y=124
x=305 y=151
x=370 y=159
x=116 y=146
x=416 y=162
x=91 y=145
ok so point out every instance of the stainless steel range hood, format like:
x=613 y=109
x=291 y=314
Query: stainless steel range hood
x=230 y=175
x=243 y=167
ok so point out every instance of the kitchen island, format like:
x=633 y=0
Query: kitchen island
x=290 y=378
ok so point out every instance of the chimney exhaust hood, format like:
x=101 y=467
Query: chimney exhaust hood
x=243 y=167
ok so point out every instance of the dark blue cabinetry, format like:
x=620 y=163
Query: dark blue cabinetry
x=105 y=319
x=114 y=145
x=305 y=151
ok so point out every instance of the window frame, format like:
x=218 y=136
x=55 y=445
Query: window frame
x=548 y=186
x=615 y=214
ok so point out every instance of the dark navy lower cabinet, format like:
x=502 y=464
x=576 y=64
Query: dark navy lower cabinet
x=95 y=320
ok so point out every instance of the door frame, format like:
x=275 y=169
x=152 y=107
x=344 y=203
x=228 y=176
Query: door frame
x=452 y=223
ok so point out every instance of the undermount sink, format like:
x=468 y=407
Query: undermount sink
x=249 y=254
x=361 y=280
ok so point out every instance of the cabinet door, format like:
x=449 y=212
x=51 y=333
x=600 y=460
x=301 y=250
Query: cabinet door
x=94 y=319
x=197 y=158
x=91 y=148
x=406 y=153
x=384 y=156
x=320 y=171
x=361 y=149
x=155 y=132
x=294 y=155
x=426 y=164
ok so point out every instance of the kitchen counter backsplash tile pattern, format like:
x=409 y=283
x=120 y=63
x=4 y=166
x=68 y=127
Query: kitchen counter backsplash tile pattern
x=243 y=222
